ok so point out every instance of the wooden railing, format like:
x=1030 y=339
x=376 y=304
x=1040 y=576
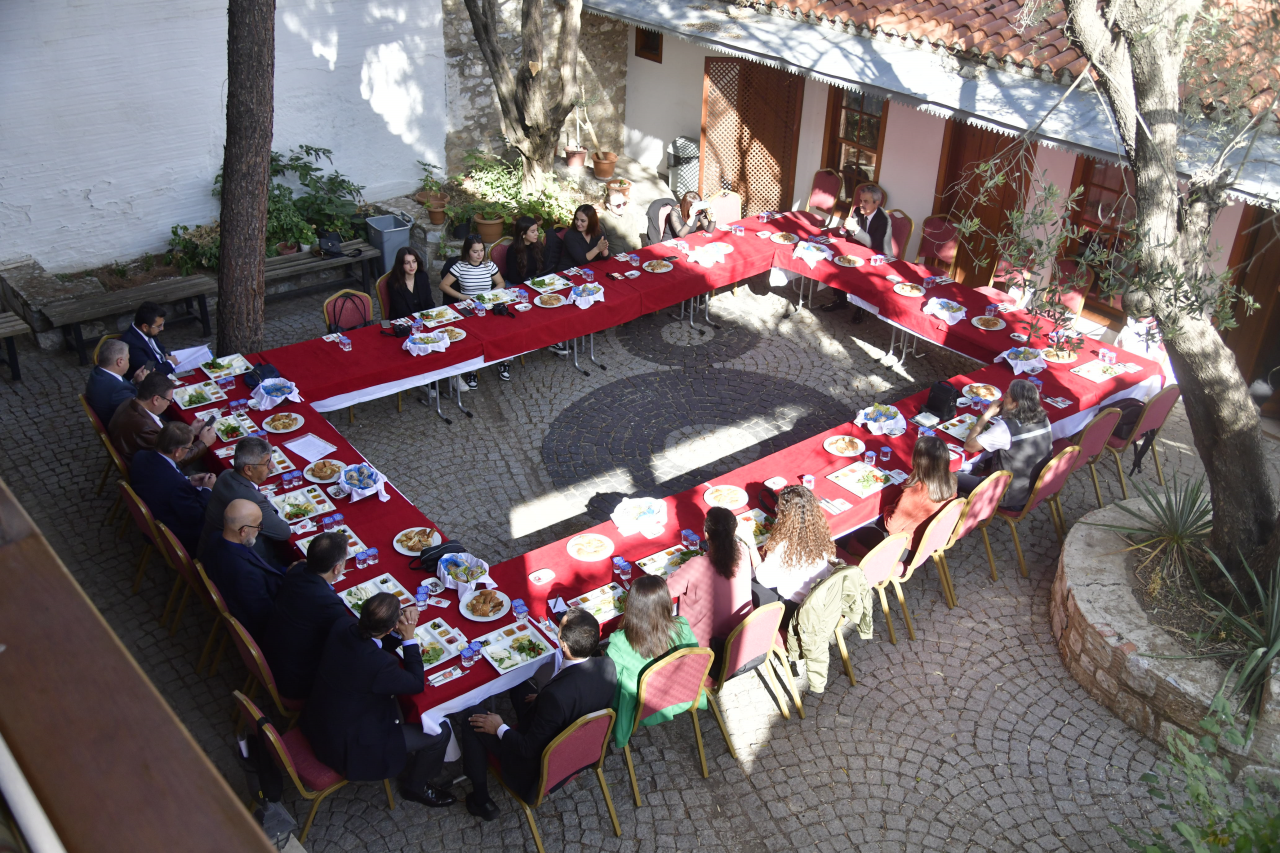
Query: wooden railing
x=111 y=765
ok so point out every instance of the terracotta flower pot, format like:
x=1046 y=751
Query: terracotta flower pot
x=287 y=248
x=575 y=157
x=436 y=214
x=603 y=163
x=490 y=230
x=619 y=185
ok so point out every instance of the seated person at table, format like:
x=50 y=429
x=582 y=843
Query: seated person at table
x=148 y=322
x=623 y=222
x=798 y=553
x=930 y=485
x=305 y=609
x=647 y=630
x=585 y=241
x=176 y=500
x=470 y=275
x=575 y=683
x=692 y=214
x=408 y=285
x=249 y=468
x=1020 y=440
x=869 y=225
x=714 y=589
x=247 y=582
x=527 y=254
x=136 y=424
x=353 y=721
x=107 y=388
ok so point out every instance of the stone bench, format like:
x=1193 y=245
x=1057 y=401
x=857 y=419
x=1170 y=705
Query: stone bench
x=11 y=325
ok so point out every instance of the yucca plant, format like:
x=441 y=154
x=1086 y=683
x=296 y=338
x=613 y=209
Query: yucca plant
x=1173 y=530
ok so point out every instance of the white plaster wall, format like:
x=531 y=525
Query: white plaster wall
x=112 y=115
x=813 y=127
x=909 y=164
x=1223 y=235
x=664 y=100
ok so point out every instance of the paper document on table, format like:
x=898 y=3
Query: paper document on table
x=557 y=605
x=191 y=358
x=310 y=448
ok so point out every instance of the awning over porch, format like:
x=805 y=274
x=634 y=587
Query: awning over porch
x=936 y=82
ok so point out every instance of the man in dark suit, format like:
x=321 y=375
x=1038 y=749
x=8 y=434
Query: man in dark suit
x=869 y=225
x=352 y=719
x=247 y=582
x=573 y=685
x=174 y=499
x=136 y=424
x=148 y=322
x=249 y=468
x=107 y=388
x=306 y=608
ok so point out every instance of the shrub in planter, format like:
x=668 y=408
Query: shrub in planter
x=195 y=248
x=285 y=225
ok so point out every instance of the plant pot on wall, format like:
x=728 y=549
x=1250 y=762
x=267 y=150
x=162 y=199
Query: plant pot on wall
x=436 y=213
x=490 y=230
x=575 y=157
x=603 y=163
x=619 y=185
x=287 y=248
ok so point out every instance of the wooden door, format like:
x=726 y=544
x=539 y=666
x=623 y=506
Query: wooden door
x=750 y=132
x=966 y=146
x=1256 y=340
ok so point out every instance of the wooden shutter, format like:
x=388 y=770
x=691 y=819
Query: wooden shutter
x=750 y=132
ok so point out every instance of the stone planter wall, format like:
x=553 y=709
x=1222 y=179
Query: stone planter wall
x=1110 y=647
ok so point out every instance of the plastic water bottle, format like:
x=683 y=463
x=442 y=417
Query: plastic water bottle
x=424 y=592
x=373 y=556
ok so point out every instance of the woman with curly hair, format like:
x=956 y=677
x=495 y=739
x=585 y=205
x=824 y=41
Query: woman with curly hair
x=798 y=553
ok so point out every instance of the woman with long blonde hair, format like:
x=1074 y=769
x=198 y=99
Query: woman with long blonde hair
x=799 y=551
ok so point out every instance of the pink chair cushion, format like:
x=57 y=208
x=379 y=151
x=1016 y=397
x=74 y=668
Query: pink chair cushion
x=579 y=750
x=726 y=208
x=757 y=635
x=983 y=502
x=498 y=254
x=880 y=564
x=673 y=681
x=938 y=533
x=939 y=238
x=315 y=774
x=825 y=191
x=1094 y=438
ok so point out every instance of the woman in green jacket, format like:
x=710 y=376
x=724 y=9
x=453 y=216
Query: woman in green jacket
x=648 y=630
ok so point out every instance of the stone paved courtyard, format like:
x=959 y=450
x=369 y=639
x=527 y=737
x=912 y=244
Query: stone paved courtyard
x=972 y=737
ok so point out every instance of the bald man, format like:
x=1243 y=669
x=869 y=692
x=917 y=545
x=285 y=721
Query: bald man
x=247 y=581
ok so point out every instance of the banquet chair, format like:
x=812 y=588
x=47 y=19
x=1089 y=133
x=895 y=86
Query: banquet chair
x=1092 y=440
x=824 y=196
x=756 y=639
x=726 y=206
x=98 y=346
x=937 y=533
x=853 y=196
x=821 y=611
x=1152 y=417
x=260 y=671
x=1013 y=281
x=497 y=253
x=656 y=216
x=313 y=779
x=164 y=541
x=146 y=525
x=939 y=242
x=900 y=228
x=214 y=596
x=584 y=744
x=186 y=581
x=679 y=676
x=384 y=299
x=102 y=432
x=979 y=509
x=878 y=566
x=350 y=309
x=1050 y=482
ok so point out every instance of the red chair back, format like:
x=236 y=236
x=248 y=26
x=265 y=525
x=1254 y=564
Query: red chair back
x=177 y=556
x=1156 y=411
x=578 y=747
x=900 y=228
x=140 y=512
x=882 y=560
x=498 y=254
x=939 y=240
x=673 y=679
x=1053 y=477
x=726 y=206
x=211 y=590
x=93 y=416
x=938 y=532
x=116 y=459
x=254 y=660
x=384 y=299
x=291 y=751
x=348 y=309
x=982 y=504
x=825 y=191
x=753 y=638
x=1094 y=437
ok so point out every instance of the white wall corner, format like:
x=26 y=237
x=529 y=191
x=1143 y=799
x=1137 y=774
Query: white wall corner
x=910 y=162
x=813 y=128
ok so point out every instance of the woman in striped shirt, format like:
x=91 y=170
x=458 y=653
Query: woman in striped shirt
x=468 y=276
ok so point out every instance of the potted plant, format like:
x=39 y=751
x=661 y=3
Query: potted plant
x=287 y=231
x=490 y=222
x=603 y=163
x=618 y=185
x=432 y=192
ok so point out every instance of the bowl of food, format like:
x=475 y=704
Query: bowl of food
x=276 y=387
x=461 y=571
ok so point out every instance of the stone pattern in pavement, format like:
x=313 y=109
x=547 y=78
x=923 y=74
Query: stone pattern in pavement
x=972 y=737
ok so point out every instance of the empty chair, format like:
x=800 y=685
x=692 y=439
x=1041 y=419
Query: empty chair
x=937 y=533
x=676 y=678
x=581 y=746
x=346 y=310
x=1092 y=440
x=980 y=507
x=900 y=228
x=498 y=254
x=260 y=671
x=879 y=566
x=1152 y=417
x=824 y=195
x=756 y=639
x=1051 y=480
x=146 y=524
x=313 y=779
x=844 y=594
x=939 y=243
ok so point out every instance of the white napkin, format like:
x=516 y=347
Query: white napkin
x=439 y=343
x=464 y=588
x=267 y=401
x=585 y=302
x=640 y=515
x=1020 y=366
x=941 y=308
x=880 y=427
x=811 y=253
x=378 y=488
x=707 y=255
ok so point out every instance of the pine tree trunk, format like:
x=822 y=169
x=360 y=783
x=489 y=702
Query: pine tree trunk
x=246 y=174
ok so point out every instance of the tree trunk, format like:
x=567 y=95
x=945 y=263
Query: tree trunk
x=246 y=174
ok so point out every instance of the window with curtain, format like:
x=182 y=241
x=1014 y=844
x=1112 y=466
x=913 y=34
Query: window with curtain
x=855 y=134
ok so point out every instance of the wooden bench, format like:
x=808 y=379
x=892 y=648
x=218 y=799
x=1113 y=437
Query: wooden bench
x=289 y=266
x=11 y=325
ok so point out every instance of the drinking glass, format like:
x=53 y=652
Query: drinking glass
x=689 y=540
x=1039 y=383
x=885 y=453
x=807 y=481
x=927 y=431
x=469 y=655
x=522 y=295
x=327 y=523
x=589 y=275
x=362 y=560
x=992 y=310
x=373 y=556
x=522 y=613
x=634 y=260
x=870 y=458
x=478 y=307
x=624 y=571
x=345 y=343
x=763 y=217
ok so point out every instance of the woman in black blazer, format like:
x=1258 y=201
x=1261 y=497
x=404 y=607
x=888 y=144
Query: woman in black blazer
x=408 y=285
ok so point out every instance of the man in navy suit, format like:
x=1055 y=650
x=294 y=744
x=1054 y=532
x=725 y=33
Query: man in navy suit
x=174 y=499
x=247 y=582
x=574 y=684
x=306 y=608
x=141 y=340
x=353 y=721
x=107 y=388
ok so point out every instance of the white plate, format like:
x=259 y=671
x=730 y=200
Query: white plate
x=306 y=472
x=298 y=422
x=241 y=422
x=555 y=300
x=747 y=522
x=382 y=583
x=987 y=319
x=354 y=545
x=576 y=545
x=453 y=333
x=310 y=494
x=913 y=290
x=784 y=237
x=232 y=365
x=279 y=462
x=729 y=497
x=833 y=446
x=776 y=483
x=971 y=389
x=547 y=283
x=896 y=279
x=395 y=541
x=503 y=611
x=722 y=247
x=542 y=577
x=440 y=632
x=496 y=646
x=658 y=266
x=182 y=396
x=849 y=261
x=438 y=316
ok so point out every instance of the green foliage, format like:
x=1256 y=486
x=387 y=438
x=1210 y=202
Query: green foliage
x=1208 y=814
x=1172 y=531
x=497 y=186
x=194 y=248
x=148 y=261
x=430 y=183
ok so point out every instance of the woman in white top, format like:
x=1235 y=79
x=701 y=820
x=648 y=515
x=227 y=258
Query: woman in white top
x=470 y=275
x=798 y=553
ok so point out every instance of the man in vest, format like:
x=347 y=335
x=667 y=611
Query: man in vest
x=1019 y=440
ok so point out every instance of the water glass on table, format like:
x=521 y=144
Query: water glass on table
x=1039 y=383
x=807 y=481
x=624 y=571
x=689 y=540
x=634 y=260
x=344 y=343
x=589 y=275
x=885 y=453
x=469 y=655
x=362 y=560
x=373 y=556
x=870 y=458
x=992 y=310
x=521 y=612
x=327 y=524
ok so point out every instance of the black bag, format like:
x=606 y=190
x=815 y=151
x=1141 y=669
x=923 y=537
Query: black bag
x=260 y=373
x=768 y=500
x=427 y=560
x=331 y=246
x=1130 y=411
x=942 y=401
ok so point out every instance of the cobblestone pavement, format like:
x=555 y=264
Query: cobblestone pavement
x=972 y=737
